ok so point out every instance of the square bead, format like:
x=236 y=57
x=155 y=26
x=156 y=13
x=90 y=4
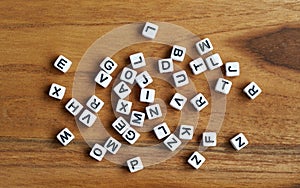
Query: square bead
x=209 y=139
x=135 y=164
x=57 y=91
x=178 y=53
x=150 y=30
x=112 y=145
x=87 y=118
x=65 y=136
x=137 y=118
x=232 y=69
x=98 y=152
x=108 y=65
x=153 y=111
x=103 y=79
x=147 y=95
x=122 y=90
x=165 y=65
x=178 y=101
x=137 y=60
x=204 y=46
x=74 y=107
x=252 y=90
x=196 y=160
x=143 y=79
x=162 y=130
x=131 y=135
x=239 y=141
x=186 y=132
x=94 y=103
x=172 y=142
x=62 y=63
x=180 y=78
x=198 y=66
x=128 y=75
x=214 y=61
x=120 y=125
x=223 y=86
x=199 y=102
x=123 y=106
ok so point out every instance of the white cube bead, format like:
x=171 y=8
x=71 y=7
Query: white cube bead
x=252 y=90
x=198 y=66
x=135 y=164
x=143 y=79
x=150 y=30
x=196 y=160
x=112 y=145
x=57 y=91
x=131 y=135
x=98 y=152
x=62 y=63
x=122 y=90
x=186 y=132
x=73 y=106
x=204 y=46
x=153 y=111
x=178 y=53
x=123 y=106
x=223 y=86
x=147 y=95
x=178 y=101
x=165 y=65
x=137 y=60
x=65 y=136
x=128 y=75
x=87 y=118
x=239 y=141
x=172 y=142
x=209 y=139
x=199 y=102
x=95 y=104
x=232 y=69
x=120 y=125
x=180 y=78
x=108 y=65
x=137 y=118
x=162 y=130
x=103 y=79
x=214 y=61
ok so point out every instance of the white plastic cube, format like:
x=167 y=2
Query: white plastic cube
x=87 y=118
x=65 y=136
x=123 y=106
x=94 y=103
x=199 y=102
x=178 y=53
x=180 y=78
x=172 y=142
x=103 y=79
x=204 y=46
x=232 y=69
x=137 y=118
x=122 y=90
x=252 y=90
x=147 y=95
x=131 y=135
x=239 y=141
x=209 y=139
x=162 y=130
x=196 y=160
x=178 y=101
x=112 y=145
x=73 y=106
x=150 y=30
x=223 y=86
x=62 y=63
x=128 y=75
x=137 y=60
x=165 y=65
x=186 y=132
x=120 y=125
x=153 y=111
x=135 y=164
x=214 y=61
x=98 y=152
x=198 y=66
x=57 y=91
x=143 y=79
x=108 y=65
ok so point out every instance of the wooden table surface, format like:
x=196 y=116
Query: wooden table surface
x=264 y=36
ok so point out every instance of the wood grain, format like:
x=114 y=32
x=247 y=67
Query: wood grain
x=262 y=35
